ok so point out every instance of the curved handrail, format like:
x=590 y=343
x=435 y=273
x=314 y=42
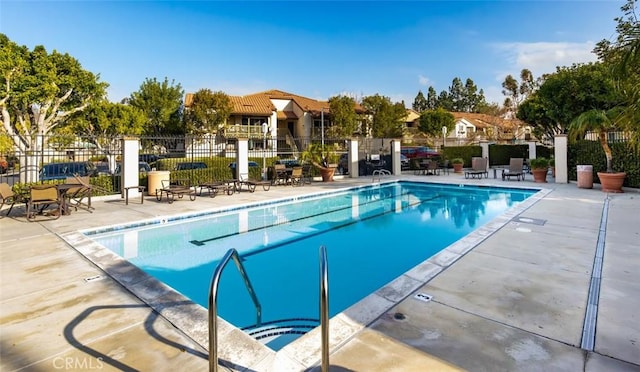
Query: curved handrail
x=213 y=303
x=324 y=307
x=380 y=173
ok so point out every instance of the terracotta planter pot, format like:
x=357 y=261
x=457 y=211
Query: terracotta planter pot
x=539 y=175
x=457 y=168
x=327 y=174
x=611 y=182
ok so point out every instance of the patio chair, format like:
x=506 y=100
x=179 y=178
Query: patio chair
x=253 y=183
x=78 y=196
x=432 y=168
x=444 y=166
x=40 y=198
x=306 y=173
x=516 y=169
x=296 y=177
x=8 y=196
x=280 y=176
x=478 y=168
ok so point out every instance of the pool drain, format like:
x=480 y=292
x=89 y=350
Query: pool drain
x=423 y=297
x=93 y=278
x=532 y=221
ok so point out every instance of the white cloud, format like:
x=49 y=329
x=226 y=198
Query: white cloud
x=543 y=57
x=423 y=80
x=539 y=57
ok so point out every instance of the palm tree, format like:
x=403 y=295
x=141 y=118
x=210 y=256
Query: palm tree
x=601 y=122
x=627 y=69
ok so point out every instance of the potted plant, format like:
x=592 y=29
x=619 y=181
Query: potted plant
x=539 y=169
x=457 y=164
x=601 y=122
x=324 y=158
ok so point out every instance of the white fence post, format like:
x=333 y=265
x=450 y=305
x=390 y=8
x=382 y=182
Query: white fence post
x=353 y=158
x=560 y=150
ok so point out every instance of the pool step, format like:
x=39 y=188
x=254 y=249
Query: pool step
x=267 y=331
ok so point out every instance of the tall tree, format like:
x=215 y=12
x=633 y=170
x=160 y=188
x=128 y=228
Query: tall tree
x=161 y=102
x=457 y=95
x=387 y=118
x=208 y=112
x=516 y=92
x=432 y=99
x=344 y=121
x=473 y=99
x=420 y=103
x=445 y=101
x=39 y=91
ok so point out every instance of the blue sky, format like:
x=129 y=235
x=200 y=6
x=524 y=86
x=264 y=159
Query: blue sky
x=317 y=49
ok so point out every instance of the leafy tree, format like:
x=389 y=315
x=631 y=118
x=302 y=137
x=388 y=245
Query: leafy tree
x=104 y=123
x=107 y=119
x=208 y=112
x=161 y=103
x=566 y=94
x=420 y=103
x=344 y=121
x=387 y=118
x=432 y=121
x=39 y=91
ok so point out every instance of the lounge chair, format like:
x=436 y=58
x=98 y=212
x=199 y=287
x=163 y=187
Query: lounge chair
x=478 y=168
x=214 y=187
x=253 y=183
x=516 y=169
x=173 y=188
x=8 y=196
x=296 y=177
x=78 y=196
x=41 y=197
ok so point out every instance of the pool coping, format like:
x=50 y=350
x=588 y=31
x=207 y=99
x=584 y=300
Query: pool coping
x=245 y=352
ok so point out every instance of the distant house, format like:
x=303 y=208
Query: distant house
x=286 y=114
x=474 y=126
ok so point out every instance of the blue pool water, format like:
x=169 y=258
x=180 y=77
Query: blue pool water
x=372 y=235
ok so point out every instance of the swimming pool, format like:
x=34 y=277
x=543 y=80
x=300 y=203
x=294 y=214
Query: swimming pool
x=373 y=234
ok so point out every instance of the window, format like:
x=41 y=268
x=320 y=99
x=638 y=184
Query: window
x=254 y=120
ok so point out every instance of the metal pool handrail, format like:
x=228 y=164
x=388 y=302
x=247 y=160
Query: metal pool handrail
x=213 y=303
x=324 y=307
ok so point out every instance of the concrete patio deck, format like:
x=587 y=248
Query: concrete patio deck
x=516 y=301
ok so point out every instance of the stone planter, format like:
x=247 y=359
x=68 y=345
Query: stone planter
x=612 y=182
x=327 y=174
x=539 y=175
